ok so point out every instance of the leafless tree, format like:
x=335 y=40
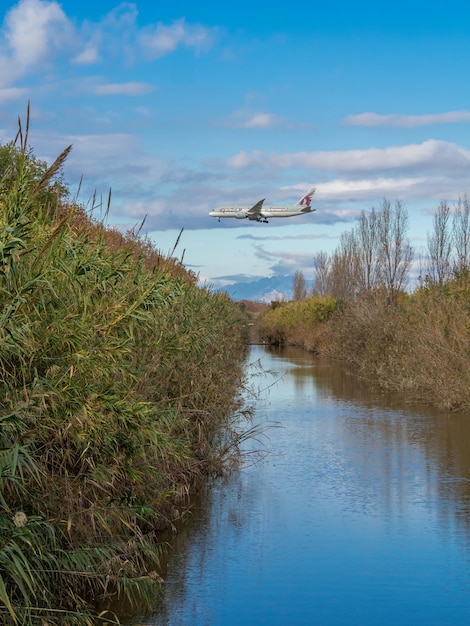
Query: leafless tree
x=394 y=249
x=440 y=246
x=376 y=253
x=299 y=287
x=321 y=265
x=344 y=268
x=368 y=243
x=461 y=235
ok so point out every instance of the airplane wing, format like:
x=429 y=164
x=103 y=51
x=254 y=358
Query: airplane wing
x=255 y=212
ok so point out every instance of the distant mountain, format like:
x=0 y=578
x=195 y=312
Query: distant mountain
x=262 y=289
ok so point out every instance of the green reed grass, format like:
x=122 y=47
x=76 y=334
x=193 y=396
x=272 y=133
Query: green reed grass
x=117 y=377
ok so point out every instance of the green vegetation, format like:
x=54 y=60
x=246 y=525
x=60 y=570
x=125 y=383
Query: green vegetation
x=118 y=376
x=297 y=322
x=416 y=342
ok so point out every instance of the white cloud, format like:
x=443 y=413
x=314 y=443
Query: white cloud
x=127 y=89
x=406 y=121
x=244 y=160
x=144 y=111
x=37 y=33
x=261 y=120
x=343 y=189
x=34 y=30
x=115 y=160
x=89 y=54
x=13 y=93
x=347 y=182
x=159 y=40
x=431 y=154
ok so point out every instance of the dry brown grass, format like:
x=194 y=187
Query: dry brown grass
x=420 y=347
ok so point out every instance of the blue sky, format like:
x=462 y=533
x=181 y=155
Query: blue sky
x=182 y=106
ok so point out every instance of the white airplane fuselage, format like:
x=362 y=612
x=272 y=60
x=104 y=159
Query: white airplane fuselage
x=261 y=213
x=241 y=212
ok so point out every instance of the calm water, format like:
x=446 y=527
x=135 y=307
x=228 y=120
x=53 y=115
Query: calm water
x=360 y=515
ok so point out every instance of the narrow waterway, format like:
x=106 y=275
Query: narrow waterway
x=359 y=516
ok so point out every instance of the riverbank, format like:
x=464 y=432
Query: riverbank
x=375 y=494
x=119 y=380
x=416 y=342
x=419 y=345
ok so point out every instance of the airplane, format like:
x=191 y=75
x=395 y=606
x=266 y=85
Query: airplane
x=260 y=213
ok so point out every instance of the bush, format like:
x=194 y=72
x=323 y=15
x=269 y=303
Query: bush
x=297 y=322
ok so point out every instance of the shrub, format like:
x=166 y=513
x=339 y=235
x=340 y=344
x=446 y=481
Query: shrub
x=297 y=322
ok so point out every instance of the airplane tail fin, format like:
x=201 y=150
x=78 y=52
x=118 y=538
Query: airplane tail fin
x=306 y=200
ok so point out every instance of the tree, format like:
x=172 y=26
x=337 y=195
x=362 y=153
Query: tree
x=394 y=249
x=299 y=287
x=321 y=265
x=344 y=268
x=440 y=246
x=368 y=244
x=376 y=253
x=461 y=235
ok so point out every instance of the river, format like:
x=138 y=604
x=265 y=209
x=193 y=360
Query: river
x=359 y=515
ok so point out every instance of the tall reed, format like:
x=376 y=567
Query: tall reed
x=117 y=375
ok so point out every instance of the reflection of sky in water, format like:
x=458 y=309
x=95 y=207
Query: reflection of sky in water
x=359 y=516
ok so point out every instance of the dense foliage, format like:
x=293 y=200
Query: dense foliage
x=117 y=375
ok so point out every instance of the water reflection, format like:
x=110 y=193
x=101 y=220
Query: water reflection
x=359 y=516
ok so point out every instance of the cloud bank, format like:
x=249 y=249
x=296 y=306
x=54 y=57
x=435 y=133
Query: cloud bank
x=406 y=121
x=430 y=154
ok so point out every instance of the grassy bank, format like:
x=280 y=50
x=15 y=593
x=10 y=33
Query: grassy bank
x=117 y=377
